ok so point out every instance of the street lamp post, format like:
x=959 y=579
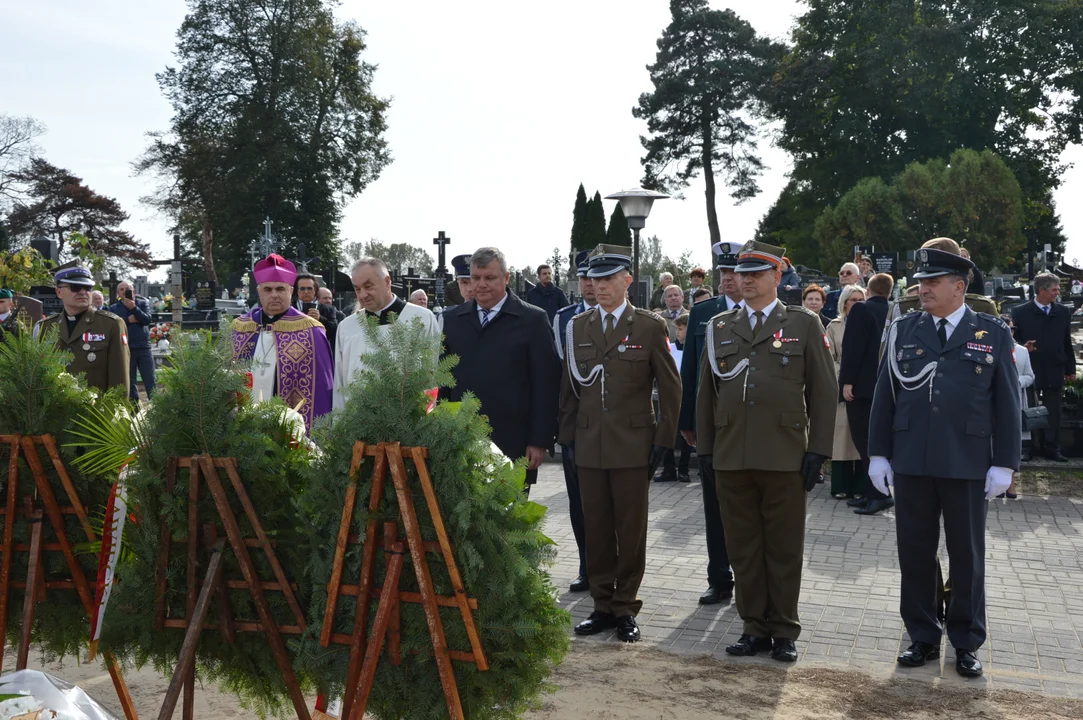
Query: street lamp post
x=636 y=205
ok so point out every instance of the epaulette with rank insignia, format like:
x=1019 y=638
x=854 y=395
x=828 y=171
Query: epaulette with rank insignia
x=105 y=313
x=994 y=319
x=567 y=307
x=647 y=313
x=801 y=308
x=585 y=312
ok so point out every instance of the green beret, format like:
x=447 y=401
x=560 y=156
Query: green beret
x=6 y=294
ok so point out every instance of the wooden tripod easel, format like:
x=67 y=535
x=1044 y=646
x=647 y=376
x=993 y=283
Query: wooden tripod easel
x=34 y=510
x=362 y=668
x=214 y=586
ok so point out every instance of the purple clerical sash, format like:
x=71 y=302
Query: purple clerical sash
x=304 y=372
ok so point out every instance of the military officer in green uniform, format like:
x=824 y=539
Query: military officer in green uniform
x=97 y=338
x=614 y=353
x=766 y=408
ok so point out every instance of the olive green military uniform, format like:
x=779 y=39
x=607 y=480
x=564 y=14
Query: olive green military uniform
x=766 y=397
x=606 y=411
x=99 y=344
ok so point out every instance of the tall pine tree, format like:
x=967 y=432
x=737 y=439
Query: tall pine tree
x=595 y=226
x=618 y=232
x=579 y=222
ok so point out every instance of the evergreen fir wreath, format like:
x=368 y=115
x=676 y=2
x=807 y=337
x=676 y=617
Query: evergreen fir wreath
x=201 y=406
x=494 y=532
x=39 y=397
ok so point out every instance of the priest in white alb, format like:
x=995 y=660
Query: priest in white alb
x=375 y=301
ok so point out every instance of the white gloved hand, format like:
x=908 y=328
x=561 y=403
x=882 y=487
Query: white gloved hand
x=881 y=474
x=997 y=481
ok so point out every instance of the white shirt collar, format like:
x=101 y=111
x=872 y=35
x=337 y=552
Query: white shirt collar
x=616 y=314
x=5 y=316
x=388 y=306
x=766 y=311
x=953 y=320
x=1040 y=306
x=496 y=308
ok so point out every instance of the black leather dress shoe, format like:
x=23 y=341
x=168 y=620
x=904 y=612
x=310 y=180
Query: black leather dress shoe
x=967 y=663
x=748 y=645
x=784 y=650
x=917 y=654
x=875 y=506
x=580 y=584
x=597 y=622
x=684 y=477
x=627 y=629
x=1056 y=456
x=715 y=595
x=857 y=502
x=666 y=477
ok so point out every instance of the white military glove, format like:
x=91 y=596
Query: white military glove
x=997 y=481
x=881 y=474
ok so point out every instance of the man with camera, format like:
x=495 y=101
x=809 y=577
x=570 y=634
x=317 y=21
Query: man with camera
x=135 y=312
x=305 y=290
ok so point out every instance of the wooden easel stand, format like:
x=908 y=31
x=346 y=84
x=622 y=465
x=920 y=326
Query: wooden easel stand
x=36 y=586
x=362 y=667
x=214 y=586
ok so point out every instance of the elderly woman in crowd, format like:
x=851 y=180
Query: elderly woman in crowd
x=1026 y=380
x=847 y=476
x=813 y=298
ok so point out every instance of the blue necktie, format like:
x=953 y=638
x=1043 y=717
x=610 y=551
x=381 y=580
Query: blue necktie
x=485 y=317
x=1045 y=309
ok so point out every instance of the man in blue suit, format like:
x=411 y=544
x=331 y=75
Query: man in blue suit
x=719 y=574
x=567 y=452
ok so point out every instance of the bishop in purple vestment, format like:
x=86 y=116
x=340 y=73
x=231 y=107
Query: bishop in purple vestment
x=286 y=350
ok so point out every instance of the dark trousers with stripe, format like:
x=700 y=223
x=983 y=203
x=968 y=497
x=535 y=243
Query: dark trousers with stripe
x=575 y=503
x=919 y=503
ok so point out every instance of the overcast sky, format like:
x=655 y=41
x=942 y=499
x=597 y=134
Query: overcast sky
x=499 y=111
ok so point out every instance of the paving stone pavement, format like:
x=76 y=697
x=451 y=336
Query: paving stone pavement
x=850 y=588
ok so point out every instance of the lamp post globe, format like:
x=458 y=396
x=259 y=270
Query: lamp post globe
x=636 y=204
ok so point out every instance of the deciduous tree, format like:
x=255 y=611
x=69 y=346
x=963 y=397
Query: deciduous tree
x=870 y=87
x=58 y=204
x=973 y=199
x=273 y=115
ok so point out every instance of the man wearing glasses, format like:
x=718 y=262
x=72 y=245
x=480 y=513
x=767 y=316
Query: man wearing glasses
x=97 y=339
x=849 y=274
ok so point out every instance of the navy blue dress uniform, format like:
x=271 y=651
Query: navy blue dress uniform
x=607 y=412
x=567 y=452
x=719 y=575
x=946 y=416
x=766 y=409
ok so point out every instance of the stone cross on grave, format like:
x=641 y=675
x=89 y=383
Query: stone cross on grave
x=303 y=259
x=441 y=273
